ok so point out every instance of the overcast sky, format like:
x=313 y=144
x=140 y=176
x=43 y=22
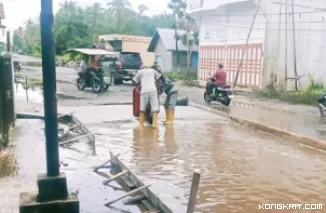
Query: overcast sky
x=18 y=11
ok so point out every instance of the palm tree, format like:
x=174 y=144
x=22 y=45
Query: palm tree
x=141 y=9
x=118 y=8
x=94 y=12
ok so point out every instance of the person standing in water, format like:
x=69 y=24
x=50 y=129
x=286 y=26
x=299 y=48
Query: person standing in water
x=171 y=92
x=147 y=78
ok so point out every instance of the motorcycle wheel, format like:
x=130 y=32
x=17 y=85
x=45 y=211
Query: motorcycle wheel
x=96 y=87
x=149 y=120
x=207 y=99
x=227 y=102
x=105 y=87
x=80 y=84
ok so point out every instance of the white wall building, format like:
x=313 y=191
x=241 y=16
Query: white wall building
x=224 y=27
x=310 y=42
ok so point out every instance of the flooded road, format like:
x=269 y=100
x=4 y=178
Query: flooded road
x=311 y=126
x=241 y=168
x=20 y=164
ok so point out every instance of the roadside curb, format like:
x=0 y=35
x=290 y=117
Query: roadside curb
x=276 y=108
x=305 y=140
x=64 y=81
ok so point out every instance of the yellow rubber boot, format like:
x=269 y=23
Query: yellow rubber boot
x=166 y=115
x=155 y=120
x=141 y=119
x=170 y=117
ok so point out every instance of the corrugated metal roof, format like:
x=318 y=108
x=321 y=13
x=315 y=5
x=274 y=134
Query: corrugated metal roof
x=168 y=39
x=91 y=51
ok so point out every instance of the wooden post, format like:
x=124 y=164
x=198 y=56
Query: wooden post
x=193 y=192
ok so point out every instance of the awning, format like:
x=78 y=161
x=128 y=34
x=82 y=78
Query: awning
x=91 y=51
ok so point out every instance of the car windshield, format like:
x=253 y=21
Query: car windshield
x=130 y=56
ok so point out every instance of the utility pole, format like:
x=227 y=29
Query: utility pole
x=286 y=45
x=245 y=48
x=176 y=44
x=49 y=89
x=52 y=186
x=294 y=49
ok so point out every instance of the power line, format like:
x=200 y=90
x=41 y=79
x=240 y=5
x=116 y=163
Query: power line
x=264 y=28
x=262 y=23
x=272 y=14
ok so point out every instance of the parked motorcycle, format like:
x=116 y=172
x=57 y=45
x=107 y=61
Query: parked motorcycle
x=322 y=104
x=222 y=94
x=100 y=81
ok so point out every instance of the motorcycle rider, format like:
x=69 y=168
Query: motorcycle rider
x=220 y=79
x=92 y=68
x=147 y=77
x=171 y=92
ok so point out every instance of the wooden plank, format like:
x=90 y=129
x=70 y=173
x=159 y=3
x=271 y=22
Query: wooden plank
x=115 y=177
x=134 y=200
x=75 y=138
x=104 y=164
x=147 y=192
x=127 y=194
x=193 y=192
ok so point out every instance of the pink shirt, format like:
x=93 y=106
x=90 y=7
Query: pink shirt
x=220 y=76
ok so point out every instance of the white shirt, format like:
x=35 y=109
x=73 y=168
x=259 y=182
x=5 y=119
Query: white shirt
x=147 y=78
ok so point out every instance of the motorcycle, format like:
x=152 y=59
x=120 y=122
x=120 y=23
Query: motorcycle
x=100 y=81
x=222 y=94
x=322 y=104
x=17 y=66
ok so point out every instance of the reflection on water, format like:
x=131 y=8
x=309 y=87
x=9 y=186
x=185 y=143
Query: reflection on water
x=240 y=168
x=34 y=94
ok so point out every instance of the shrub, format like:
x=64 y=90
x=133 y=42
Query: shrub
x=307 y=97
x=175 y=76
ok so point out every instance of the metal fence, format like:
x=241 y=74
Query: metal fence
x=7 y=113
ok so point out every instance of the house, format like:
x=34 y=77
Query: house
x=278 y=50
x=163 y=45
x=224 y=27
x=103 y=46
x=307 y=35
x=130 y=43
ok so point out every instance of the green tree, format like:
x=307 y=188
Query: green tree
x=77 y=27
x=178 y=8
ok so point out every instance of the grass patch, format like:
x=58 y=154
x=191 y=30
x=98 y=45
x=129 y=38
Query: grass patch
x=175 y=76
x=35 y=81
x=34 y=64
x=189 y=80
x=305 y=97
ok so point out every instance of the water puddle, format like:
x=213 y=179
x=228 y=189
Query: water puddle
x=241 y=168
x=34 y=94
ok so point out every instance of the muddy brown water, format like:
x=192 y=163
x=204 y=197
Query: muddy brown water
x=240 y=168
